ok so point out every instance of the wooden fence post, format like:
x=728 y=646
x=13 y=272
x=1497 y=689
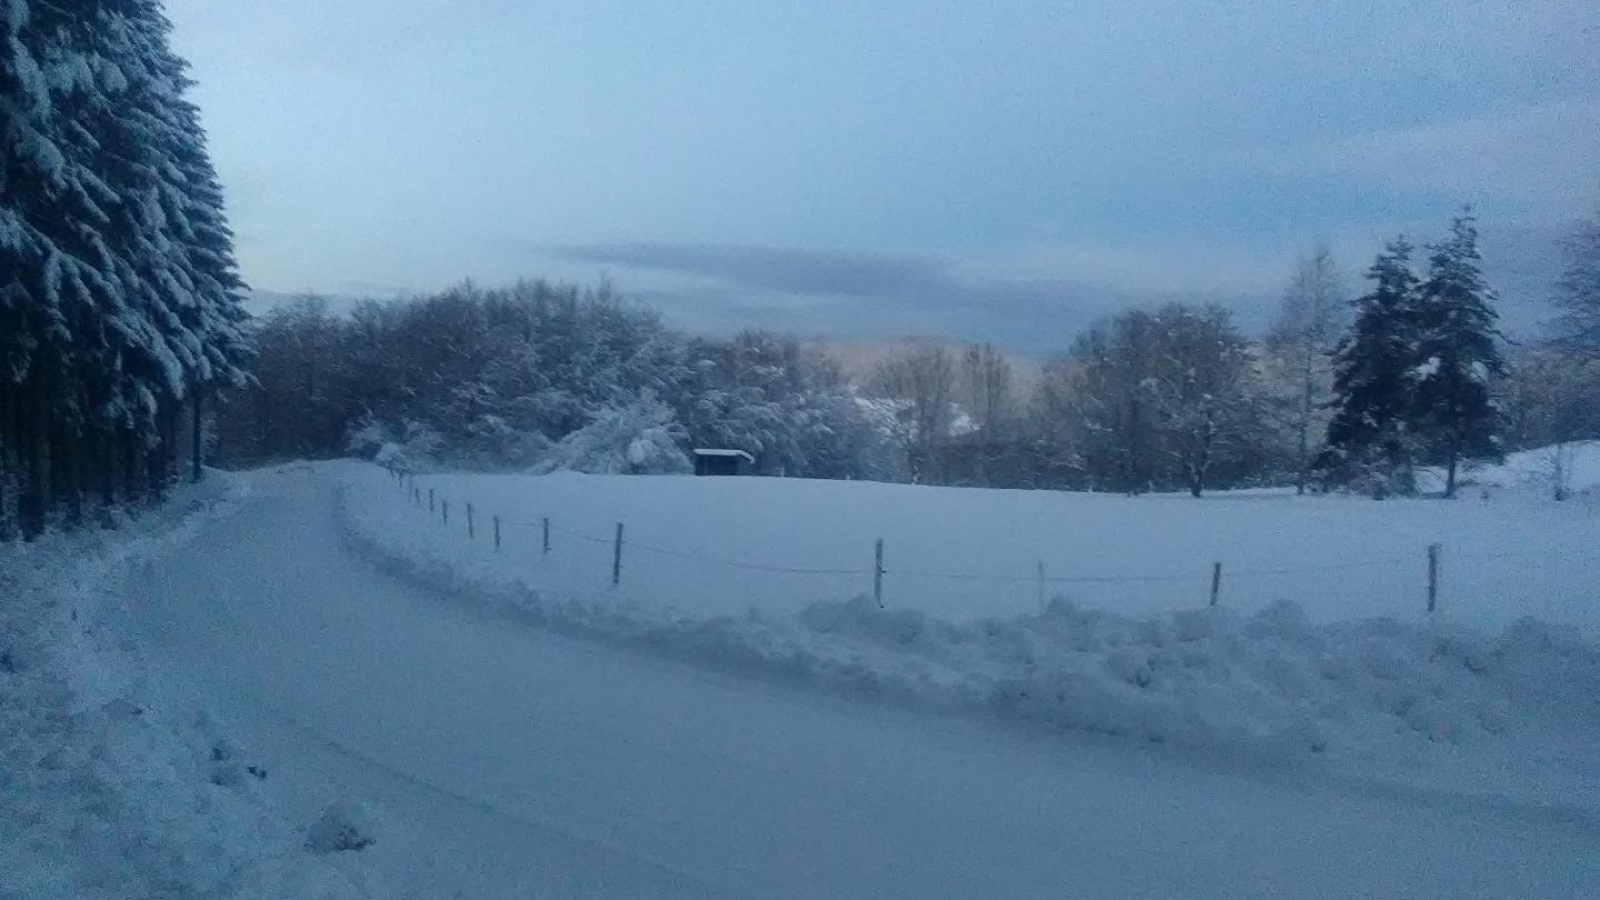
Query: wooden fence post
x=546 y=523
x=445 y=505
x=1433 y=577
x=471 y=531
x=616 y=558
x=430 y=500
x=198 y=451
x=497 y=534
x=1216 y=581
x=877 y=574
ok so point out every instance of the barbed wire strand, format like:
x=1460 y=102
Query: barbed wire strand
x=735 y=564
x=983 y=576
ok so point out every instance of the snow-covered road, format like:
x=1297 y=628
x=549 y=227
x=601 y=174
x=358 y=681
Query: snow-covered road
x=508 y=762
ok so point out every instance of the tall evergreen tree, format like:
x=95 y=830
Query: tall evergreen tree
x=118 y=292
x=1458 y=355
x=1368 y=438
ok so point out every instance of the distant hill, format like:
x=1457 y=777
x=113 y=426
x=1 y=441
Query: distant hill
x=860 y=357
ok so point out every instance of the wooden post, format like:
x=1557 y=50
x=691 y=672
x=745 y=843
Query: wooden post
x=1041 y=585
x=1433 y=577
x=1216 y=581
x=445 y=505
x=877 y=574
x=471 y=532
x=497 y=534
x=546 y=523
x=430 y=500
x=616 y=558
x=197 y=451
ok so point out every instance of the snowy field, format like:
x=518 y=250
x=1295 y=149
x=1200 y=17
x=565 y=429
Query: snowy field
x=1075 y=753
x=1331 y=654
x=722 y=546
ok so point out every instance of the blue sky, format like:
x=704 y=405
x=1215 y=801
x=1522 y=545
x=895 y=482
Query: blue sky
x=1003 y=171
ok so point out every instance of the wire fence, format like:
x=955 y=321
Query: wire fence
x=1422 y=571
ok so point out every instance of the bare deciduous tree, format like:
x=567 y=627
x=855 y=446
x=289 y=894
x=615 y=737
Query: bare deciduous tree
x=1203 y=391
x=1299 y=345
x=1548 y=405
x=919 y=384
x=990 y=402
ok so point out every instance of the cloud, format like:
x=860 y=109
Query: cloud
x=1542 y=158
x=763 y=268
x=869 y=295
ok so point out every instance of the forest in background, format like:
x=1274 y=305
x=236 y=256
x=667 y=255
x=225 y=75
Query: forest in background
x=1354 y=386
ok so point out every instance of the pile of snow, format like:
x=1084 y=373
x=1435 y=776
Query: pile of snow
x=342 y=826
x=111 y=785
x=1272 y=682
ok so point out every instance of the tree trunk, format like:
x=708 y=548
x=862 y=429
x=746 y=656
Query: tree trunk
x=105 y=463
x=35 y=498
x=1304 y=434
x=1450 y=477
x=8 y=467
x=196 y=449
x=132 y=472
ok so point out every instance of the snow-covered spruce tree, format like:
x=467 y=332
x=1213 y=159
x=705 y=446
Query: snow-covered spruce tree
x=1458 y=356
x=1368 y=443
x=1577 y=295
x=111 y=238
x=61 y=333
x=181 y=250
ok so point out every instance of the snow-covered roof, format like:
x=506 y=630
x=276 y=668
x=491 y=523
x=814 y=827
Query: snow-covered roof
x=707 y=451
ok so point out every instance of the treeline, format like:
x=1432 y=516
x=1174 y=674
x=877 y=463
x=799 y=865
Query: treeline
x=1340 y=394
x=498 y=378
x=119 y=300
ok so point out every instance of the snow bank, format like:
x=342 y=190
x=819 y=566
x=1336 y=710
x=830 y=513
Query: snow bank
x=1272 y=682
x=110 y=784
x=964 y=553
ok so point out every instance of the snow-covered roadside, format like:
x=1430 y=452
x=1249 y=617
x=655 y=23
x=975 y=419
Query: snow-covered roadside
x=113 y=783
x=1504 y=714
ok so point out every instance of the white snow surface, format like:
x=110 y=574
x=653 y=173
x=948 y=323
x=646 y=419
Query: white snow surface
x=1530 y=472
x=490 y=758
x=709 y=546
x=439 y=722
x=113 y=783
x=1504 y=709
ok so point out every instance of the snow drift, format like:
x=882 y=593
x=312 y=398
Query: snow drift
x=1272 y=682
x=111 y=783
